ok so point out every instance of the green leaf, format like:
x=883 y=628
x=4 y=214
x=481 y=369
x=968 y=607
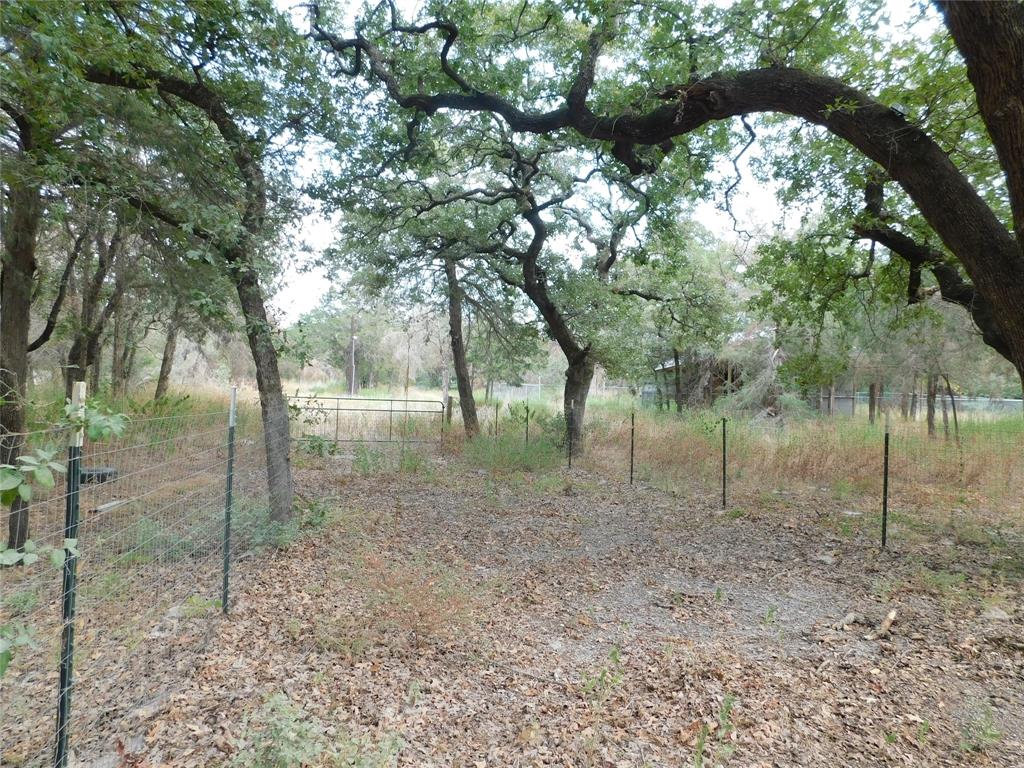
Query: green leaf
x=44 y=477
x=25 y=491
x=10 y=557
x=29 y=558
x=5 y=659
x=10 y=478
x=57 y=557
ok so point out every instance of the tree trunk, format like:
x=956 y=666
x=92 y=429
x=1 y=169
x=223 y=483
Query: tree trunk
x=96 y=358
x=163 y=380
x=117 y=356
x=86 y=345
x=246 y=154
x=578 y=376
x=466 y=402
x=128 y=361
x=832 y=399
x=16 y=284
x=872 y=401
x=933 y=385
x=273 y=406
x=952 y=405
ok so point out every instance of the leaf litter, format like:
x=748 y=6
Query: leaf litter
x=485 y=620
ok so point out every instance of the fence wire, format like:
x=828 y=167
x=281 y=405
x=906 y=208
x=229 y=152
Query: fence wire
x=964 y=475
x=152 y=526
x=150 y=554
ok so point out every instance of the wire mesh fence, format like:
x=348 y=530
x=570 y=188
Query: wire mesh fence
x=153 y=523
x=149 y=551
x=969 y=475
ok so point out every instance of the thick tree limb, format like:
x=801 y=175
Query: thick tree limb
x=62 y=290
x=945 y=197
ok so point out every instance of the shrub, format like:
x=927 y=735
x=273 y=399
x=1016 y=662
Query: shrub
x=281 y=735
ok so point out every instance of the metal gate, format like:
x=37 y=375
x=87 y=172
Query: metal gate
x=365 y=419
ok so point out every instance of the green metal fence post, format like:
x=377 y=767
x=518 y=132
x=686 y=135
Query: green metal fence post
x=723 y=463
x=632 y=443
x=885 y=483
x=228 y=500
x=67 y=646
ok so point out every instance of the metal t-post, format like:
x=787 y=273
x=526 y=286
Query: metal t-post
x=632 y=443
x=67 y=652
x=723 y=463
x=228 y=498
x=885 y=483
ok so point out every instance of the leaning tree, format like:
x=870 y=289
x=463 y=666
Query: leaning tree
x=648 y=79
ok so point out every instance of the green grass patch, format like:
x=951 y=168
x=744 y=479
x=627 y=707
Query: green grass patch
x=511 y=453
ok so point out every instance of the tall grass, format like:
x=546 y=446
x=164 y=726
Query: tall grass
x=509 y=452
x=981 y=470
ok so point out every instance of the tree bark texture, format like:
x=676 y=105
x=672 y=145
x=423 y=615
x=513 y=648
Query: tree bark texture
x=465 y=384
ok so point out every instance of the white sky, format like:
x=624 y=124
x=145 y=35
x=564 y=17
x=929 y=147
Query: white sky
x=754 y=205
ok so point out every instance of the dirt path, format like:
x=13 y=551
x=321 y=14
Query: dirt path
x=546 y=620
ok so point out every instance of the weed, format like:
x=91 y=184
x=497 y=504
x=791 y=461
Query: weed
x=923 y=729
x=21 y=603
x=412 y=462
x=979 y=732
x=196 y=606
x=600 y=685
x=316 y=445
x=293 y=628
x=725 y=724
x=700 y=746
x=368 y=461
x=771 y=616
x=420 y=600
x=885 y=587
x=949 y=586
x=316 y=513
x=842 y=489
x=105 y=587
x=345 y=637
x=719 y=594
x=735 y=514
x=510 y=453
x=280 y=735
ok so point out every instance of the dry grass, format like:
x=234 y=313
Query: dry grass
x=416 y=601
x=982 y=474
